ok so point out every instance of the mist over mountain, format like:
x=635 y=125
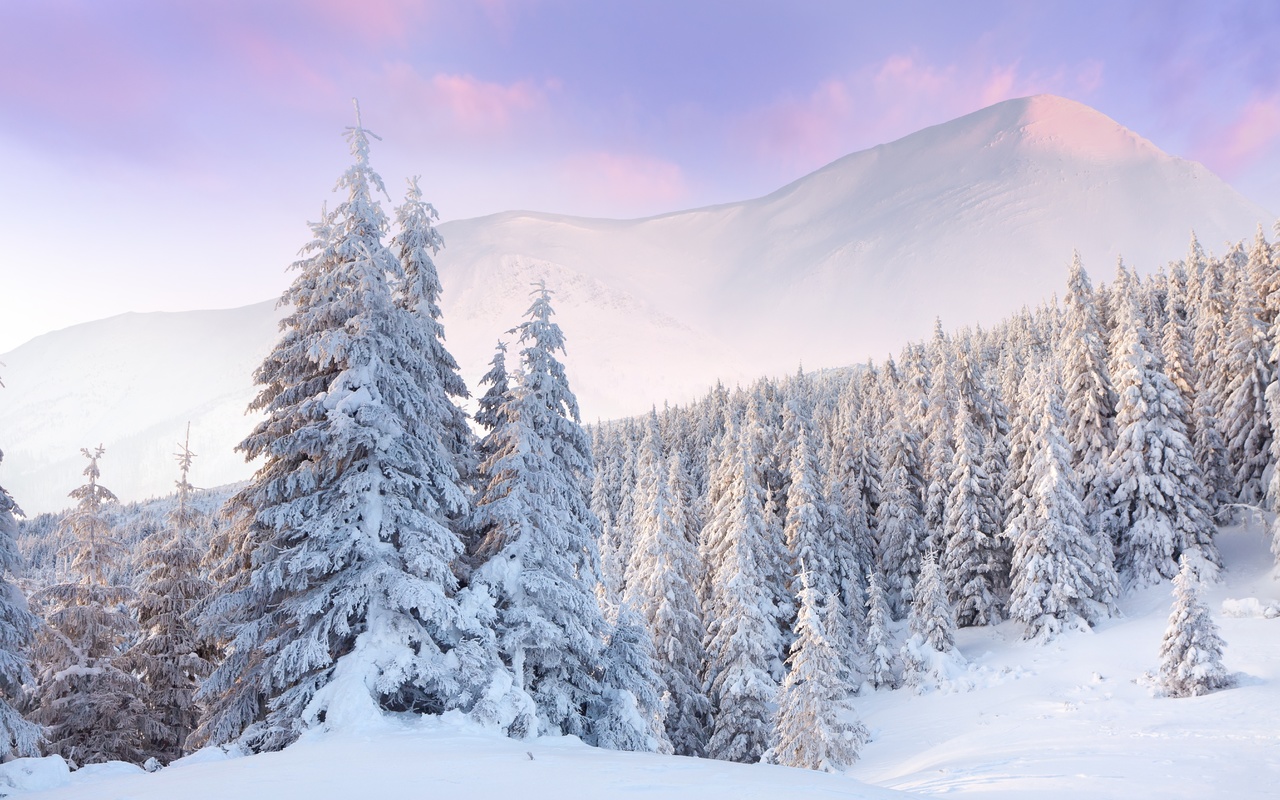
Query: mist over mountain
x=966 y=221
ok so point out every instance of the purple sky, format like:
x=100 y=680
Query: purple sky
x=166 y=155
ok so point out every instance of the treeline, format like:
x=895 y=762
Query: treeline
x=1030 y=472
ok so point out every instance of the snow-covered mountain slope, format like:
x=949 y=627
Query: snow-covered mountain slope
x=1070 y=719
x=967 y=220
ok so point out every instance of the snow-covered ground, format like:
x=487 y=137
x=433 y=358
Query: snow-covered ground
x=1072 y=719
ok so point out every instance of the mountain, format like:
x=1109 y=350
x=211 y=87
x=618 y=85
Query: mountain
x=967 y=220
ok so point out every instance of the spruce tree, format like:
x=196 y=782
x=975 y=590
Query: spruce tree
x=900 y=518
x=346 y=600
x=630 y=713
x=881 y=656
x=541 y=564
x=743 y=640
x=1191 y=651
x=171 y=658
x=18 y=737
x=1156 y=484
x=1246 y=428
x=662 y=592
x=806 y=529
x=86 y=697
x=815 y=726
x=929 y=655
x=1090 y=397
x=1062 y=571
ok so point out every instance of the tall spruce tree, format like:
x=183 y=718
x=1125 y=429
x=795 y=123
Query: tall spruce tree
x=900 y=518
x=346 y=601
x=542 y=565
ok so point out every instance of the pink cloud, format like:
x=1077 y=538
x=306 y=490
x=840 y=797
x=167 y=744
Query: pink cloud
x=1251 y=135
x=469 y=105
x=884 y=101
x=634 y=183
x=371 y=20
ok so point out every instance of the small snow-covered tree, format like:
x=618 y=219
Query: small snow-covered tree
x=815 y=726
x=881 y=656
x=170 y=657
x=489 y=406
x=18 y=737
x=929 y=655
x=87 y=699
x=1191 y=651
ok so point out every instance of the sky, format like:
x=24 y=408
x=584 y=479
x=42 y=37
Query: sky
x=167 y=154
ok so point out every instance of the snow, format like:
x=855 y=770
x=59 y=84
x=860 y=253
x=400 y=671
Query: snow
x=1068 y=719
x=967 y=220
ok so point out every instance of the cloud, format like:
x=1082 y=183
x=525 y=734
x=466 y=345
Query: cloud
x=892 y=98
x=1252 y=135
x=464 y=104
x=625 y=183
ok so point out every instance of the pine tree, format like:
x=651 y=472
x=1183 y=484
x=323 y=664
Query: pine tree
x=630 y=714
x=349 y=526
x=86 y=698
x=881 y=669
x=1090 y=397
x=973 y=555
x=900 y=517
x=1062 y=571
x=540 y=544
x=663 y=592
x=490 y=404
x=815 y=726
x=1246 y=364
x=1208 y=442
x=1191 y=651
x=1156 y=483
x=743 y=640
x=929 y=655
x=807 y=530
x=18 y=737
x=170 y=658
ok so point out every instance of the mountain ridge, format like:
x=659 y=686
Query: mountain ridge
x=968 y=220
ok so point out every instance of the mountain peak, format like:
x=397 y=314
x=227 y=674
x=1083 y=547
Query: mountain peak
x=1052 y=124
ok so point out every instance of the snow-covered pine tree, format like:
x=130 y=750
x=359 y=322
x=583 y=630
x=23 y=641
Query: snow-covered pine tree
x=1090 y=397
x=1156 y=484
x=815 y=726
x=929 y=655
x=18 y=737
x=170 y=657
x=973 y=554
x=662 y=591
x=1191 y=651
x=542 y=565
x=1062 y=571
x=630 y=712
x=418 y=290
x=87 y=699
x=1209 y=308
x=900 y=518
x=807 y=530
x=347 y=605
x=939 y=438
x=489 y=406
x=743 y=640
x=881 y=656
x=1246 y=365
